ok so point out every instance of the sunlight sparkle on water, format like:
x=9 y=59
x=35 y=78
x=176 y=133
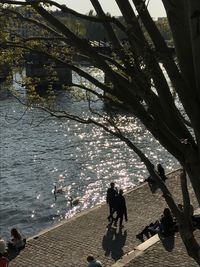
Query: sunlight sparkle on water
x=33 y=214
x=82 y=136
x=81 y=158
x=54 y=170
x=61 y=178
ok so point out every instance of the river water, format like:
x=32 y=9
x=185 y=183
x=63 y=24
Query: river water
x=38 y=151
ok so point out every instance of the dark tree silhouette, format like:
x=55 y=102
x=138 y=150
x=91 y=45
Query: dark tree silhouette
x=135 y=79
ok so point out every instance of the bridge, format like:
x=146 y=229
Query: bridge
x=46 y=71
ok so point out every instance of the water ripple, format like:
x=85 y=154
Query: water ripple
x=80 y=158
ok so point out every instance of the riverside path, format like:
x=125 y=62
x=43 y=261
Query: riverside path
x=70 y=242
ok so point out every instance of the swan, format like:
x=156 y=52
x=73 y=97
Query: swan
x=59 y=190
x=74 y=202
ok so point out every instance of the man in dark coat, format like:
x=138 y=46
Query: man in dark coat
x=111 y=200
x=121 y=209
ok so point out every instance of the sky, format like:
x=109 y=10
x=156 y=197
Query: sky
x=83 y=6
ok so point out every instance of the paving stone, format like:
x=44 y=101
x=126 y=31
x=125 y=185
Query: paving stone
x=158 y=256
x=69 y=243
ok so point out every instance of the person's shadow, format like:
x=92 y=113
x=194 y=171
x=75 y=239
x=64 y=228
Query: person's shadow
x=113 y=242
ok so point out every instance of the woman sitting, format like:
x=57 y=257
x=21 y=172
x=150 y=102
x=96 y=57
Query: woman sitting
x=17 y=241
x=161 y=172
x=167 y=224
x=165 y=227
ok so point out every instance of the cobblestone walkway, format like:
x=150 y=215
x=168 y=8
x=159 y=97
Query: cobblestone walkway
x=161 y=255
x=68 y=244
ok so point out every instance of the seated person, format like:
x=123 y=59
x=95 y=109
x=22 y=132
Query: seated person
x=196 y=221
x=161 y=172
x=195 y=217
x=166 y=226
x=17 y=241
x=148 y=231
x=2 y=246
x=150 y=179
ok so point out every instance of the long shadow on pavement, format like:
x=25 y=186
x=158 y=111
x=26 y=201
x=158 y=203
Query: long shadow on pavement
x=113 y=242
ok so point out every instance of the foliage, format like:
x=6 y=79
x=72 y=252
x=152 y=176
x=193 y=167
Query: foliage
x=135 y=79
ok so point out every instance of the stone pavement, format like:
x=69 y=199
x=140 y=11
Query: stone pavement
x=69 y=243
x=162 y=254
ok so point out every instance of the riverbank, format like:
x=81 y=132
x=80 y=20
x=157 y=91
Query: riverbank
x=69 y=243
x=39 y=151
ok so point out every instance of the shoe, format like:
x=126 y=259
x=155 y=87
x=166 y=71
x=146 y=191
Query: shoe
x=140 y=237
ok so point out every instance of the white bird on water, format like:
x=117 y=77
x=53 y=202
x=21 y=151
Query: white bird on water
x=59 y=190
x=74 y=202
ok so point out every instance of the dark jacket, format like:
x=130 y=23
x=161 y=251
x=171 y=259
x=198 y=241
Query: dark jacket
x=111 y=195
x=121 y=206
x=167 y=225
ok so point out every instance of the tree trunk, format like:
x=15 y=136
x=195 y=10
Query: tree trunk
x=177 y=17
x=192 y=247
x=194 y=24
x=182 y=29
x=193 y=171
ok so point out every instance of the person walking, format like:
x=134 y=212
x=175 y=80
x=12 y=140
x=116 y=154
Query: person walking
x=111 y=200
x=121 y=209
x=92 y=262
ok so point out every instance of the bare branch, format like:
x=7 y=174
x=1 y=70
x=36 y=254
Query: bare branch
x=32 y=21
x=67 y=10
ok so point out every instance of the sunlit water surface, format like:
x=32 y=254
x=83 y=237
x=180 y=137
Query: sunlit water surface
x=38 y=151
